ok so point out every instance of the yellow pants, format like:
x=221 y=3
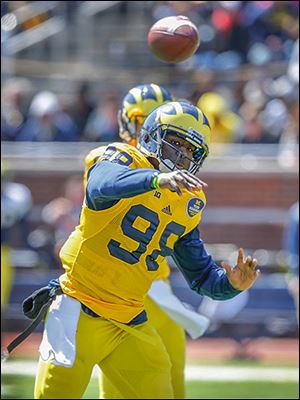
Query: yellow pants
x=174 y=340
x=7 y=275
x=133 y=359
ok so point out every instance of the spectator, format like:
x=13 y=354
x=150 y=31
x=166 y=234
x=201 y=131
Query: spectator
x=47 y=122
x=81 y=108
x=252 y=131
x=273 y=119
x=102 y=124
x=16 y=96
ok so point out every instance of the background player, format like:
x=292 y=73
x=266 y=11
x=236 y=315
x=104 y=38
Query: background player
x=16 y=202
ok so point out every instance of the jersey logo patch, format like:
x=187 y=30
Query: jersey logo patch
x=194 y=206
x=167 y=210
x=157 y=194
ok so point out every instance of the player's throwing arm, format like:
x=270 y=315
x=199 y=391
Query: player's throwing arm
x=177 y=180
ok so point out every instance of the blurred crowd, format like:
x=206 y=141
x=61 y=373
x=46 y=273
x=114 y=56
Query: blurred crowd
x=261 y=110
x=257 y=109
x=44 y=116
x=238 y=32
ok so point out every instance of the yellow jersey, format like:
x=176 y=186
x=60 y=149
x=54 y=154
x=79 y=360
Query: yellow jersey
x=114 y=254
x=93 y=157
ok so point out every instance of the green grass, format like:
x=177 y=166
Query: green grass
x=242 y=390
x=17 y=387
x=21 y=387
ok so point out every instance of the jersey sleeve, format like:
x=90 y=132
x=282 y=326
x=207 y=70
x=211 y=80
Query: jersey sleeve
x=92 y=157
x=200 y=270
x=122 y=154
x=118 y=174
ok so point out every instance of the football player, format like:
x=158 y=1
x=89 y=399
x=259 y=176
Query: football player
x=165 y=312
x=115 y=253
x=16 y=201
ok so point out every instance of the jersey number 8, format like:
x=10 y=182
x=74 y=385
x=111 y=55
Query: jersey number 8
x=144 y=238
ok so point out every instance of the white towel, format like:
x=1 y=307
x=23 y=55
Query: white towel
x=194 y=323
x=59 y=337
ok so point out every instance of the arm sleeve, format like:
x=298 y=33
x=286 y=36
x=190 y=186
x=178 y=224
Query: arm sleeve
x=200 y=270
x=109 y=182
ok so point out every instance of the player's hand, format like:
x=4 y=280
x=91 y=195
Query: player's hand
x=244 y=274
x=177 y=180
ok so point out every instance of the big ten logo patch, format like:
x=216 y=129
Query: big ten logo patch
x=194 y=206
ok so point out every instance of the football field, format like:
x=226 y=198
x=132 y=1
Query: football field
x=240 y=380
x=269 y=370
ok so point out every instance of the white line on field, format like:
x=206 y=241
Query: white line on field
x=228 y=373
x=192 y=372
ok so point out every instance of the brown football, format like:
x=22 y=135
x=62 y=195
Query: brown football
x=173 y=39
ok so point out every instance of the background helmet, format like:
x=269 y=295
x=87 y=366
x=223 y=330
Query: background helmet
x=183 y=119
x=137 y=105
x=223 y=121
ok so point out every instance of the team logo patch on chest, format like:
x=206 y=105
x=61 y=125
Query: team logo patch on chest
x=194 y=206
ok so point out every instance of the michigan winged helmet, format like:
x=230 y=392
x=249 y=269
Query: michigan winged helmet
x=183 y=119
x=136 y=106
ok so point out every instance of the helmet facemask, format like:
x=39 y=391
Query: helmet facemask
x=155 y=144
x=128 y=126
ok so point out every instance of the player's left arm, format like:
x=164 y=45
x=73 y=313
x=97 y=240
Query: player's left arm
x=205 y=276
x=243 y=275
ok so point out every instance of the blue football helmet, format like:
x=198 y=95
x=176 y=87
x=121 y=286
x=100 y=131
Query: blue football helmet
x=182 y=119
x=137 y=105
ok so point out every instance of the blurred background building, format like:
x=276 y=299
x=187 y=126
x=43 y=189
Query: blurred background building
x=66 y=66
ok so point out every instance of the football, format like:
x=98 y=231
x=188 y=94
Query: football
x=173 y=39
